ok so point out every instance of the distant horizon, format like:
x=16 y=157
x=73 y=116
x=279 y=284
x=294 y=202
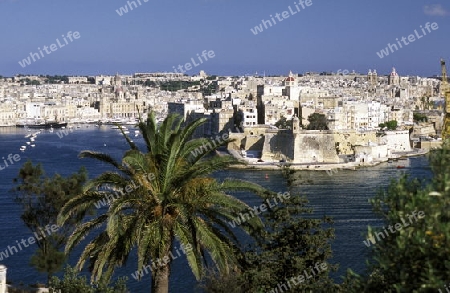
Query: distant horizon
x=255 y=74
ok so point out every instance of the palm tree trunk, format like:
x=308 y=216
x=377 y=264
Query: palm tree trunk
x=160 y=280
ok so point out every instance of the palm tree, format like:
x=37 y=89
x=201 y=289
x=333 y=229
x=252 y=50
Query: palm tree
x=179 y=203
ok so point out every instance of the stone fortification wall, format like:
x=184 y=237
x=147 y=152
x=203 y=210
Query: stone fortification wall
x=305 y=146
x=249 y=142
x=278 y=145
x=238 y=141
x=315 y=146
x=254 y=142
x=345 y=140
x=318 y=146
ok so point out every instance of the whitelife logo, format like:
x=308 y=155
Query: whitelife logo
x=283 y=287
x=10 y=158
x=188 y=66
x=114 y=194
x=279 y=199
x=398 y=226
x=130 y=4
x=49 y=49
x=411 y=38
x=11 y=250
x=281 y=16
x=186 y=249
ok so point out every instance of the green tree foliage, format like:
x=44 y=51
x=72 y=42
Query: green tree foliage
x=391 y=125
x=41 y=199
x=48 y=259
x=317 y=121
x=283 y=123
x=182 y=203
x=420 y=117
x=56 y=79
x=291 y=243
x=177 y=85
x=417 y=257
x=73 y=283
x=28 y=81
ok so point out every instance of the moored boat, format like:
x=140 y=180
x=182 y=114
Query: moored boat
x=46 y=125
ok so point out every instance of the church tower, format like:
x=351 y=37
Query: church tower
x=290 y=81
x=374 y=78
x=291 y=87
x=394 y=79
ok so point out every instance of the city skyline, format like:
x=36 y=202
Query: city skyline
x=150 y=36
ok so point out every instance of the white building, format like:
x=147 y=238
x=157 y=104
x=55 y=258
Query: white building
x=34 y=110
x=250 y=117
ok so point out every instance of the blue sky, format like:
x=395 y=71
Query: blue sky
x=326 y=36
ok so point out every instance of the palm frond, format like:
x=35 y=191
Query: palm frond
x=103 y=158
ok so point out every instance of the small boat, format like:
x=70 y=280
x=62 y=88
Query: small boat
x=51 y=129
x=28 y=143
x=28 y=135
x=400 y=167
x=33 y=145
x=46 y=125
x=23 y=148
x=32 y=138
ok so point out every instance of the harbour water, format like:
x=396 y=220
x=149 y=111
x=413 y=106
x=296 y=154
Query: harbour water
x=343 y=195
